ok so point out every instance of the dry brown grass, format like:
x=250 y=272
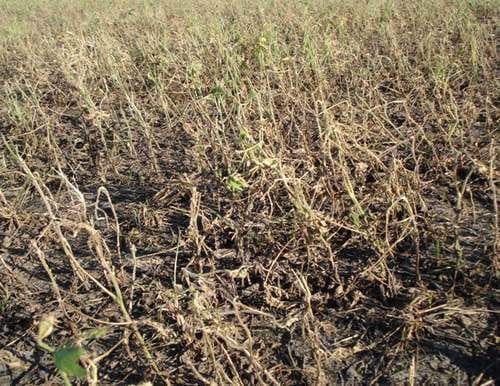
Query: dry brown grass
x=270 y=192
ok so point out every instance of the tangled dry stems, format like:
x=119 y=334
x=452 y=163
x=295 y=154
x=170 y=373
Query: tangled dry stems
x=277 y=193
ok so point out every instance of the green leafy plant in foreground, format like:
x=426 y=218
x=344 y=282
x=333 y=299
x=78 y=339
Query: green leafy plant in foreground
x=67 y=358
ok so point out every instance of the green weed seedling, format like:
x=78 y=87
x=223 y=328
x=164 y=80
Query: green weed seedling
x=217 y=92
x=236 y=184
x=67 y=358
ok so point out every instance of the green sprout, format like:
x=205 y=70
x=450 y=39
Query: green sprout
x=236 y=184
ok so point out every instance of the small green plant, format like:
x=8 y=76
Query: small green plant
x=236 y=183
x=244 y=136
x=437 y=249
x=67 y=358
x=357 y=217
x=253 y=152
x=439 y=72
x=217 y=92
x=194 y=76
x=263 y=47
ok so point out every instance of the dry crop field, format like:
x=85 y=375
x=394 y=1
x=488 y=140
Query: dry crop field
x=249 y=192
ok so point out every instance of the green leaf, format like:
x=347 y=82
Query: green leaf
x=217 y=91
x=236 y=184
x=244 y=135
x=66 y=360
x=94 y=333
